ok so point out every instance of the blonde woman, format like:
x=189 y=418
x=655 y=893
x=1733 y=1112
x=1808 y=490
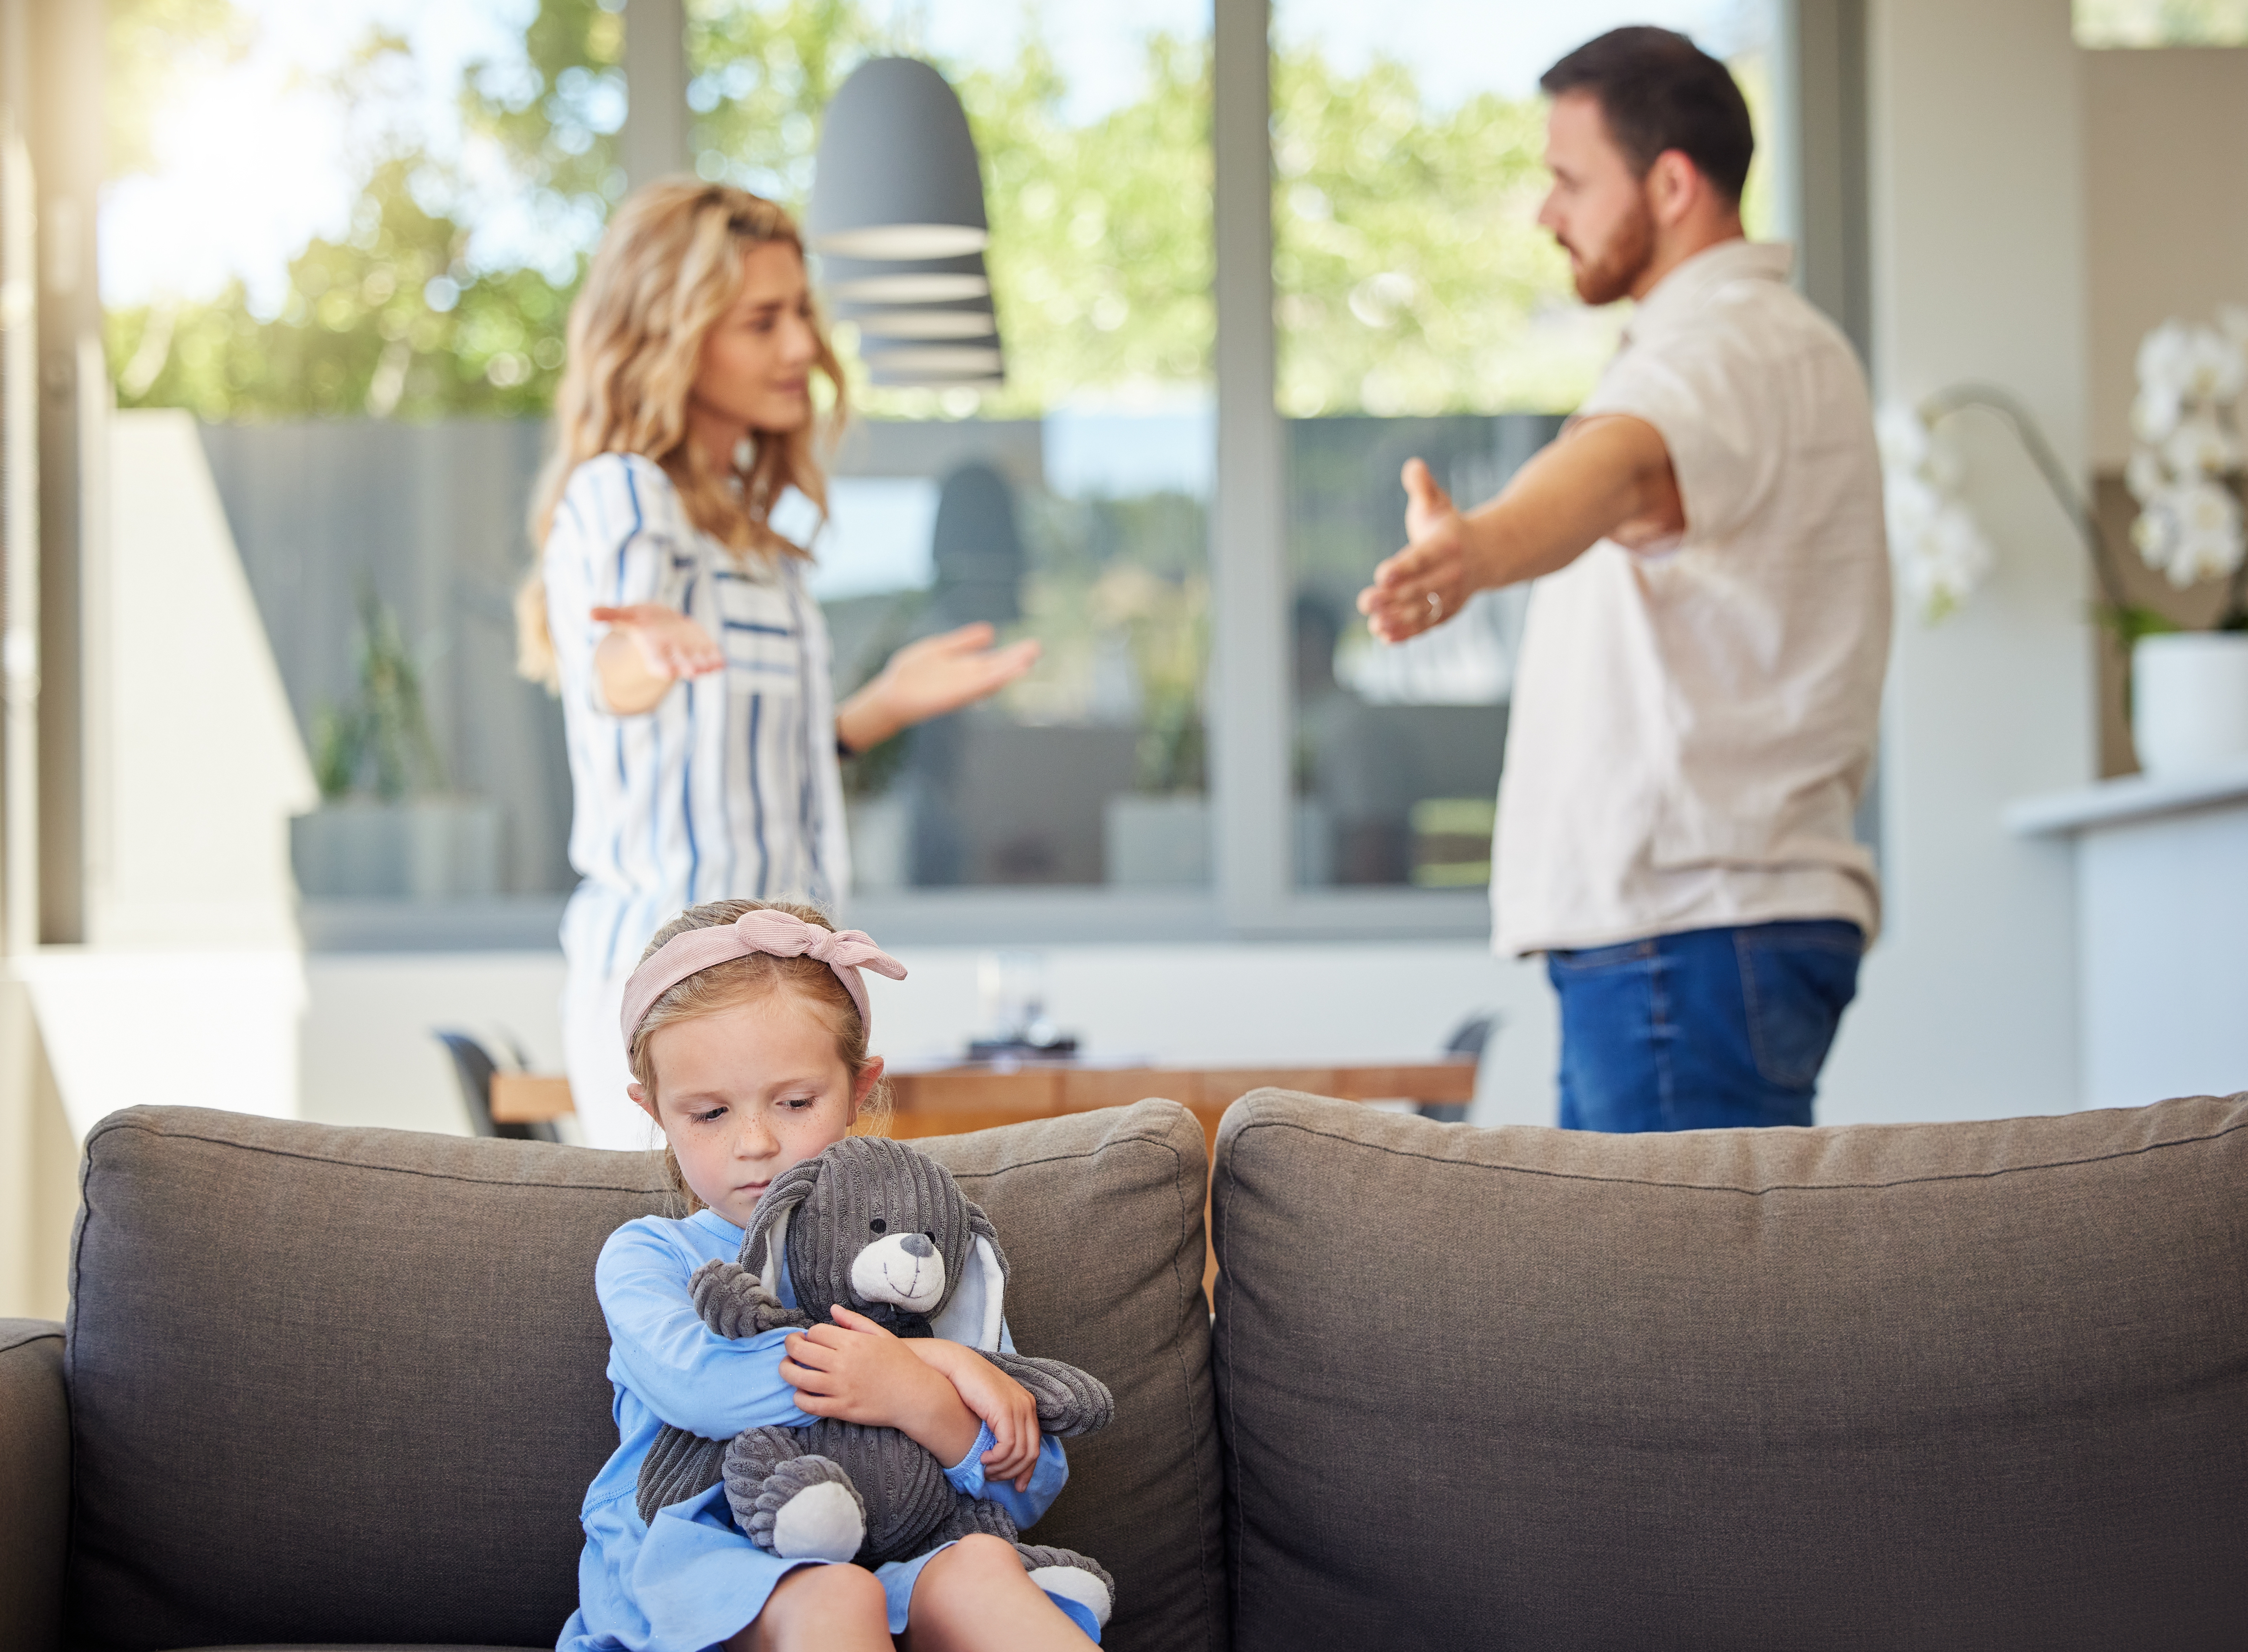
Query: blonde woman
x=674 y=622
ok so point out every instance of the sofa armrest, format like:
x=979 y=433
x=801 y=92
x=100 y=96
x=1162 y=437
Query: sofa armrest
x=35 y=1453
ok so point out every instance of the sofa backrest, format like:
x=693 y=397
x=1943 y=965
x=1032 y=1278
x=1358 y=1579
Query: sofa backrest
x=1961 y=1384
x=344 y=1385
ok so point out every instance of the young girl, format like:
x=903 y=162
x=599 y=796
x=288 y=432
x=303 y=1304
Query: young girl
x=674 y=622
x=747 y=1041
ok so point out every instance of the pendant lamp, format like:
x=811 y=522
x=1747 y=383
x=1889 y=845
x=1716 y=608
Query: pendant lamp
x=897 y=217
x=896 y=175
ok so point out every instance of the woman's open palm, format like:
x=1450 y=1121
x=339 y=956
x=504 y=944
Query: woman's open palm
x=943 y=673
x=670 y=646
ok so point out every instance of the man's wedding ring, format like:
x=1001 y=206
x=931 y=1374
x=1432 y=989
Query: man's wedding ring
x=1436 y=605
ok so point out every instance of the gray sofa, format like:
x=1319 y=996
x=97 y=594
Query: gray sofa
x=1979 y=1385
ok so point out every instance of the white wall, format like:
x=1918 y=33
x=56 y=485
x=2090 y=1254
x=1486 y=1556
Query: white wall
x=1967 y=1007
x=2166 y=207
x=195 y=763
x=191 y=984
x=370 y=1057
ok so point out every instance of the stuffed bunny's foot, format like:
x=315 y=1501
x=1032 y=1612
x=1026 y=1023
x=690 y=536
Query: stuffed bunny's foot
x=1077 y=1579
x=805 y=1509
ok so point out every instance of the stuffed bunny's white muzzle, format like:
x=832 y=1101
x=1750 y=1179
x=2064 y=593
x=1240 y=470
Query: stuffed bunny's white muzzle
x=905 y=1269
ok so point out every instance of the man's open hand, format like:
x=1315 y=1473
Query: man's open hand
x=1429 y=581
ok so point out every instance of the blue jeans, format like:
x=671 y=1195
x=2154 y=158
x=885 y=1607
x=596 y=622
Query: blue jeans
x=1701 y=1029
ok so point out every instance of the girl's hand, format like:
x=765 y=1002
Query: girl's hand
x=1000 y=1403
x=929 y=678
x=857 y=1372
x=648 y=648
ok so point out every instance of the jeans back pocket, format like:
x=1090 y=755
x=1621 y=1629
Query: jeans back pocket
x=1797 y=979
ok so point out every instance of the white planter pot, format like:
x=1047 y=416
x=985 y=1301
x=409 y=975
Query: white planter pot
x=2190 y=699
x=428 y=849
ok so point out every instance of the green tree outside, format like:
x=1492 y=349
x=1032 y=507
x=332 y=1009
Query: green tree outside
x=1408 y=278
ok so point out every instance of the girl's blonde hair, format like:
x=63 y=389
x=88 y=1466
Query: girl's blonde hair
x=667 y=268
x=742 y=981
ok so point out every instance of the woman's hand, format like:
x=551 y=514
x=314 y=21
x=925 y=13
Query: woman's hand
x=1002 y=1404
x=1429 y=581
x=929 y=678
x=857 y=1372
x=648 y=648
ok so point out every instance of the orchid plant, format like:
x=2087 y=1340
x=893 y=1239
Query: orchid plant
x=2185 y=471
x=1940 y=550
x=2185 y=465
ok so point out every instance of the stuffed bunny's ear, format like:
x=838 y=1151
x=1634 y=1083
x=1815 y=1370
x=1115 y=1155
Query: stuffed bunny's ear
x=979 y=1304
x=763 y=1246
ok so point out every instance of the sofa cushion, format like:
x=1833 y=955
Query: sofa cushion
x=1980 y=1384
x=347 y=1385
x=1101 y=1218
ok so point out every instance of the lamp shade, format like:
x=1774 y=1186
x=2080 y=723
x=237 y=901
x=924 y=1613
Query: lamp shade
x=972 y=319
x=896 y=175
x=852 y=282
x=918 y=363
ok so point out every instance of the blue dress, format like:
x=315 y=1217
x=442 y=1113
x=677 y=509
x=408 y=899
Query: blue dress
x=690 y=1578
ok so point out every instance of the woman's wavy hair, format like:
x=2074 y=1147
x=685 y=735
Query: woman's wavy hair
x=742 y=981
x=667 y=268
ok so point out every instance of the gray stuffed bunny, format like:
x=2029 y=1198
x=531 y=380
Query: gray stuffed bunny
x=882 y=1229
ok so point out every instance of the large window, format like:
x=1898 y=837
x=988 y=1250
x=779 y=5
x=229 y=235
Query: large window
x=367 y=319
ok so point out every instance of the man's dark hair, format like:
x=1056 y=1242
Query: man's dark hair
x=1659 y=91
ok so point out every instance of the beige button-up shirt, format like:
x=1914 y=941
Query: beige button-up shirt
x=1691 y=730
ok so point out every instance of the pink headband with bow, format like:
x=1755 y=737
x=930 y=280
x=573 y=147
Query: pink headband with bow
x=777 y=934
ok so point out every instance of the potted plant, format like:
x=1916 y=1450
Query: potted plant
x=388 y=826
x=2188 y=690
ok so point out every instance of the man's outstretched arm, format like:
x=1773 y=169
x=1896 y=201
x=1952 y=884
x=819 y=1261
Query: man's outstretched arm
x=1607 y=477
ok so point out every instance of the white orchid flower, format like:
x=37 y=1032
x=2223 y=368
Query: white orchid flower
x=2207 y=507
x=2154 y=412
x=2165 y=361
x=1902 y=434
x=2157 y=533
x=2215 y=371
x=2203 y=556
x=1960 y=549
x=1910 y=501
x=2200 y=446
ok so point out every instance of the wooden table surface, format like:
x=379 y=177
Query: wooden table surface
x=949 y=1101
x=953 y=1100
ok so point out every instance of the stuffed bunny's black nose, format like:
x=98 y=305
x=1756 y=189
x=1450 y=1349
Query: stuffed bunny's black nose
x=918 y=1244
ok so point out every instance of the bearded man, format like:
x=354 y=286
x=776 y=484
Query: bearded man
x=1695 y=703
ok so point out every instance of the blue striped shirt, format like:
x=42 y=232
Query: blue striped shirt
x=730 y=785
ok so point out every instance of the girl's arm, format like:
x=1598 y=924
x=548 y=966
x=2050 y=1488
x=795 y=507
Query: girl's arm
x=687 y=1375
x=857 y=1372
x=1008 y=1411
x=1026 y=1500
x=868 y=1375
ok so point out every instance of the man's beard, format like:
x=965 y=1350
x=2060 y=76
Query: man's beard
x=1625 y=258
